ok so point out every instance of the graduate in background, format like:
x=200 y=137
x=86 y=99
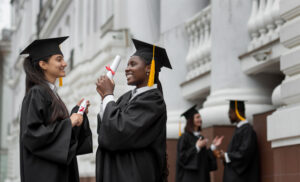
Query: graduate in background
x=194 y=160
x=132 y=131
x=50 y=139
x=241 y=159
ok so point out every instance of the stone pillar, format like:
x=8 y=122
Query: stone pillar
x=144 y=19
x=173 y=37
x=283 y=125
x=229 y=40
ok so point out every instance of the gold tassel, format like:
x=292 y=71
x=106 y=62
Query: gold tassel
x=237 y=112
x=179 y=129
x=60 y=81
x=60 y=78
x=152 y=70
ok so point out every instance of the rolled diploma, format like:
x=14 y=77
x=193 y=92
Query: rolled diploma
x=114 y=66
x=82 y=107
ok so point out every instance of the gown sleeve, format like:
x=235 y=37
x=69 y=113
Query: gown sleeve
x=187 y=154
x=212 y=161
x=49 y=141
x=132 y=127
x=241 y=158
x=83 y=135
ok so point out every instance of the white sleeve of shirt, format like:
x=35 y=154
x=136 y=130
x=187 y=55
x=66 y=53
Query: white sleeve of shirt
x=197 y=148
x=104 y=103
x=101 y=110
x=227 y=160
x=213 y=147
x=106 y=100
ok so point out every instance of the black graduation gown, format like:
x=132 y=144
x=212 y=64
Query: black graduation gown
x=132 y=139
x=243 y=154
x=190 y=165
x=48 y=151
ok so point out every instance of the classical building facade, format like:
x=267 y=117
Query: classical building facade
x=219 y=49
x=4 y=56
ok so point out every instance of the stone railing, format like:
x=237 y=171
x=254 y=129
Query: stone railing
x=198 y=58
x=264 y=22
x=50 y=14
x=45 y=11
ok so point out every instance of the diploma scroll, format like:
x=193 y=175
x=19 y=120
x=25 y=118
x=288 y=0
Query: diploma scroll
x=111 y=70
x=82 y=107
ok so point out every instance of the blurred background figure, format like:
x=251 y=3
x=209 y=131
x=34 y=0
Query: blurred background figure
x=241 y=159
x=194 y=159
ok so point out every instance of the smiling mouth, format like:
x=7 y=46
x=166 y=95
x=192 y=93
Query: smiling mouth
x=128 y=76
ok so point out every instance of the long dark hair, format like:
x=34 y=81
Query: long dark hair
x=189 y=127
x=35 y=76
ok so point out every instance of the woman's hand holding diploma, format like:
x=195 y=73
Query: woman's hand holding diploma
x=105 y=86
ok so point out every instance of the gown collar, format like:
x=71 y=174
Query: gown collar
x=197 y=133
x=241 y=123
x=137 y=91
x=53 y=88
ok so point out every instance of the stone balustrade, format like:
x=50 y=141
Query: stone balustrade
x=198 y=58
x=264 y=22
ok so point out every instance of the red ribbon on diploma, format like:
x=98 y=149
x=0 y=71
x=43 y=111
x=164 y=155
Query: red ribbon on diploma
x=81 y=109
x=109 y=69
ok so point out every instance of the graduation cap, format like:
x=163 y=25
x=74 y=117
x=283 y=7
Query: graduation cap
x=188 y=114
x=155 y=55
x=238 y=106
x=42 y=48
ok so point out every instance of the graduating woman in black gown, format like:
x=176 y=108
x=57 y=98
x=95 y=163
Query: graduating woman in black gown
x=194 y=160
x=50 y=139
x=132 y=131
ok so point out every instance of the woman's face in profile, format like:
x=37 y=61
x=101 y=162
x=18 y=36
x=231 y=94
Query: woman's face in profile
x=55 y=67
x=136 y=72
x=197 y=120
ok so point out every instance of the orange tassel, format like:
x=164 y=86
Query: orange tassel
x=179 y=129
x=60 y=81
x=152 y=70
x=237 y=112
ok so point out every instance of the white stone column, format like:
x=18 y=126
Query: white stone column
x=173 y=37
x=144 y=19
x=229 y=40
x=283 y=127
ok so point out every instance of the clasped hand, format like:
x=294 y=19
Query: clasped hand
x=105 y=86
x=77 y=119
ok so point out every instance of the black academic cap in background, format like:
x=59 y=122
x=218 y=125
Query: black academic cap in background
x=240 y=105
x=188 y=114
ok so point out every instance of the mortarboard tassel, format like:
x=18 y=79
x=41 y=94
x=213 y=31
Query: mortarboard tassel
x=60 y=81
x=152 y=70
x=237 y=112
x=179 y=134
x=60 y=78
